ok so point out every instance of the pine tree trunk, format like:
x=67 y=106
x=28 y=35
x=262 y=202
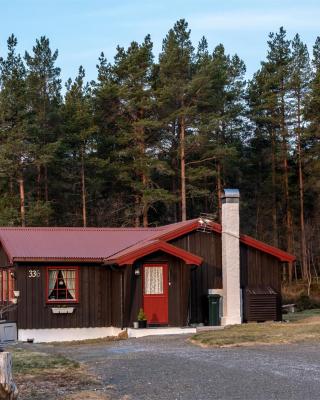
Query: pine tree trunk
x=174 y=191
x=303 y=245
x=83 y=191
x=145 y=203
x=38 y=182
x=219 y=190
x=289 y=228
x=137 y=212
x=144 y=177
x=183 y=170
x=46 y=188
x=11 y=186
x=22 y=201
x=274 y=191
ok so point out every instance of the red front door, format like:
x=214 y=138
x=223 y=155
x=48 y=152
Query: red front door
x=155 y=293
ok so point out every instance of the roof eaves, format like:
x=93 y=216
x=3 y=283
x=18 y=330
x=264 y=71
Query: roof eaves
x=148 y=248
x=266 y=248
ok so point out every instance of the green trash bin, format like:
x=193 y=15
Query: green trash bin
x=214 y=309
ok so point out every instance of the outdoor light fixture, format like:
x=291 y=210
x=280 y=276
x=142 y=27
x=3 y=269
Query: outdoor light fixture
x=137 y=271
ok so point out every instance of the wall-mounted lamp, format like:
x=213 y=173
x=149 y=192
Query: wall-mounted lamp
x=137 y=271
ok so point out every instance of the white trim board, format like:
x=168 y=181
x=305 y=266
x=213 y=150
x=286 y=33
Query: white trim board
x=137 y=333
x=66 y=334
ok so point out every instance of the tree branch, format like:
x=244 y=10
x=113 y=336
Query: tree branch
x=200 y=161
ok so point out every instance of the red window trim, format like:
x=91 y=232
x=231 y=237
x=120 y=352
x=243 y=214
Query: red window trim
x=59 y=301
x=10 y=286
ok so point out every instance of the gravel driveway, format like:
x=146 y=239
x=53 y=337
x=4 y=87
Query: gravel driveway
x=168 y=367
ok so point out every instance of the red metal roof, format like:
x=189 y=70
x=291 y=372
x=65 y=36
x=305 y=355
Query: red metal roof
x=130 y=255
x=104 y=244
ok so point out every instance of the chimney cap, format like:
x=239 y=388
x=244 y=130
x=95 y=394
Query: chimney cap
x=230 y=193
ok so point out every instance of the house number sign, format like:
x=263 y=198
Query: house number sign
x=33 y=273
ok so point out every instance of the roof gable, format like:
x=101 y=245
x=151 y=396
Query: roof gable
x=130 y=255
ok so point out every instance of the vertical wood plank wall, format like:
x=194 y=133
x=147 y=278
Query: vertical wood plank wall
x=208 y=275
x=98 y=306
x=179 y=289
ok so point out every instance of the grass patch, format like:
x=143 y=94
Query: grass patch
x=32 y=362
x=302 y=315
x=304 y=326
x=41 y=375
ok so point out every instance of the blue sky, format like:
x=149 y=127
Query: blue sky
x=81 y=29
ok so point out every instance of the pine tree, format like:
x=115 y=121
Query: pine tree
x=311 y=148
x=264 y=115
x=218 y=93
x=278 y=69
x=175 y=73
x=78 y=140
x=132 y=71
x=16 y=149
x=43 y=86
x=300 y=80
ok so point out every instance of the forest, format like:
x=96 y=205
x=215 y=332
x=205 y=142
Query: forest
x=154 y=140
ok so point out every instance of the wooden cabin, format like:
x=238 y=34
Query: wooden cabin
x=76 y=283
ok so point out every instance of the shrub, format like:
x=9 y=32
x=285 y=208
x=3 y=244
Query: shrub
x=142 y=316
x=304 y=303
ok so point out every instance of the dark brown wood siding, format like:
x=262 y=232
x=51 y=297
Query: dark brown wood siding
x=261 y=270
x=98 y=306
x=208 y=275
x=179 y=289
x=4 y=261
x=257 y=269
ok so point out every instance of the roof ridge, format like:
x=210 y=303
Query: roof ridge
x=81 y=229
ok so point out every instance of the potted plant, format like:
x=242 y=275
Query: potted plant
x=142 y=319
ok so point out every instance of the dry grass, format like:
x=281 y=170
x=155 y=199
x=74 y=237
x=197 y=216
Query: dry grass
x=291 y=293
x=48 y=376
x=303 y=327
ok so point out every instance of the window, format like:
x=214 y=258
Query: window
x=6 y=285
x=62 y=284
x=153 y=280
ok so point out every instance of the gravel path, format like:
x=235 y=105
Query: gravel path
x=168 y=367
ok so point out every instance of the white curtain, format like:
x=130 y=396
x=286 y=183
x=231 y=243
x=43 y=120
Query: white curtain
x=53 y=274
x=153 y=280
x=70 y=281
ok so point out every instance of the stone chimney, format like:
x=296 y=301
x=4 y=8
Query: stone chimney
x=231 y=257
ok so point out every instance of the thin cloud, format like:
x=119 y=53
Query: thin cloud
x=255 y=20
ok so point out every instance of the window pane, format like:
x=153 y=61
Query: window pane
x=153 y=280
x=62 y=284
